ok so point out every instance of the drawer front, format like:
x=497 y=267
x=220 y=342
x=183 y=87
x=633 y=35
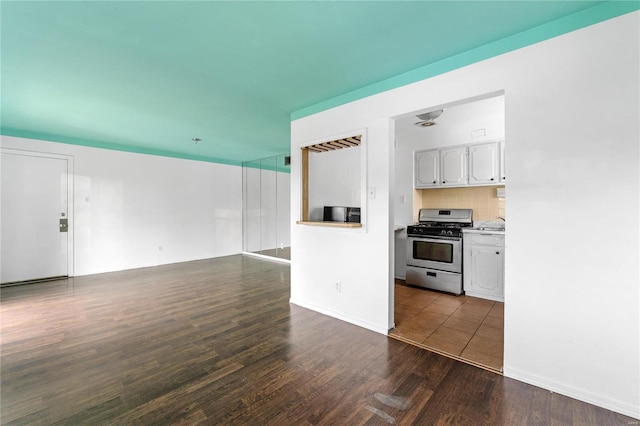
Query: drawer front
x=487 y=240
x=434 y=280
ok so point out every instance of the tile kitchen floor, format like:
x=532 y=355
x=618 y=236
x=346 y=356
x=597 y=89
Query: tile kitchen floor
x=464 y=327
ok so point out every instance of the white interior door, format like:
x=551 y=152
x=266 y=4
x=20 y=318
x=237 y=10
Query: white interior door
x=35 y=205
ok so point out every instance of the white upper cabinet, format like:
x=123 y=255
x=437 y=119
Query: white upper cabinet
x=503 y=176
x=473 y=164
x=453 y=166
x=426 y=168
x=484 y=164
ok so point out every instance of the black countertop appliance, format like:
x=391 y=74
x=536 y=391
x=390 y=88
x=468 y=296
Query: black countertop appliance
x=341 y=214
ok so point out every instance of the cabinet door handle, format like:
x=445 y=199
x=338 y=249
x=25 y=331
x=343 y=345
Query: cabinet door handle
x=491 y=178
x=434 y=181
x=497 y=252
x=443 y=181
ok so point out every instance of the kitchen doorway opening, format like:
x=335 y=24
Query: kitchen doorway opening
x=469 y=327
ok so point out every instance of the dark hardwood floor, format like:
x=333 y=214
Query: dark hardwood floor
x=217 y=342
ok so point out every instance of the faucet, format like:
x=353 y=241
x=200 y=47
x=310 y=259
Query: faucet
x=503 y=219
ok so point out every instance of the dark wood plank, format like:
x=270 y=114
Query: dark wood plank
x=217 y=342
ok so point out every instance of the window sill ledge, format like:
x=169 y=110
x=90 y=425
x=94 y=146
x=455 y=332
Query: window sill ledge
x=330 y=224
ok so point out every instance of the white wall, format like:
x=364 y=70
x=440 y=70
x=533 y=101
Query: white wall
x=572 y=298
x=135 y=210
x=357 y=258
x=334 y=180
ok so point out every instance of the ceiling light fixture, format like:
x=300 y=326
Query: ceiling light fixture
x=425 y=123
x=428 y=118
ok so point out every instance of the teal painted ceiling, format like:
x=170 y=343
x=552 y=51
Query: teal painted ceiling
x=150 y=76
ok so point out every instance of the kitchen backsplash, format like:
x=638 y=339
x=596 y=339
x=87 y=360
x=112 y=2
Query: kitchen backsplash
x=482 y=199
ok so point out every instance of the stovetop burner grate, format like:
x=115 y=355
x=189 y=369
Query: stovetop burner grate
x=447 y=225
x=438 y=222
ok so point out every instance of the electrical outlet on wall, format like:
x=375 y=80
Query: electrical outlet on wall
x=339 y=287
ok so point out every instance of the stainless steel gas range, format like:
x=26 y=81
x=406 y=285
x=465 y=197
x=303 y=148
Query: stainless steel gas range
x=434 y=249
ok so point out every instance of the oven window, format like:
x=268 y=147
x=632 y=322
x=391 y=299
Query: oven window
x=436 y=252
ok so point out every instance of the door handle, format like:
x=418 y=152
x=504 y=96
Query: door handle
x=64 y=225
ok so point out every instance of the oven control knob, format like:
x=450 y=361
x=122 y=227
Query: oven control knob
x=449 y=232
x=443 y=232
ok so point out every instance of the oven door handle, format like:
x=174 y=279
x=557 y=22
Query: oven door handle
x=434 y=237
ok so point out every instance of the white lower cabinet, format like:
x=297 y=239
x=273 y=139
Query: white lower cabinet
x=483 y=265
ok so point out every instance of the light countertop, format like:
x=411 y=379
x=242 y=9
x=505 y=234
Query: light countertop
x=486 y=227
x=484 y=230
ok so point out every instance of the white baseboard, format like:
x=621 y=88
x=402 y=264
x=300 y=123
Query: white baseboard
x=572 y=392
x=382 y=329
